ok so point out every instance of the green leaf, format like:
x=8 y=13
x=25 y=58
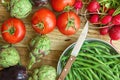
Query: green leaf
x=117 y=11
x=109 y=3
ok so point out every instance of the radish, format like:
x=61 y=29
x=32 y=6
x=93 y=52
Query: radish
x=106 y=19
x=116 y=20
x=114 y=33
x=78 y=5
x=94 y=18
x=93 y=6
x=104 y=31
x=111 y=11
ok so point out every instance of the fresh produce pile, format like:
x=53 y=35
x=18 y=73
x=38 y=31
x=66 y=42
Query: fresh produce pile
x=95 y=61
x=103 y=13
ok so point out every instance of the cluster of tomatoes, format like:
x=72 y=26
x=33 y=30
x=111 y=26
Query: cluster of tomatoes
x=44 y=21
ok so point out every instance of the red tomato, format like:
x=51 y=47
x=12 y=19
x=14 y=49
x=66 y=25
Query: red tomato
x=13 y=30
x=68 y=23
x=60 y=5
x=43 y=21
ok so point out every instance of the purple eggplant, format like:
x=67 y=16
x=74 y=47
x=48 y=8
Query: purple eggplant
x=14 y=73
x=39 y=2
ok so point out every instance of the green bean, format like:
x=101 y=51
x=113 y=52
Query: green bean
x=85 y=76
x=108 y=71
x=100 y=75
x=64 y=58
x=89 y=74
x=104 y=73
x=92 y=57
x=83 y=64
x=88 y=67
x=94 y=74
x=75 y=74
x=66 y=78
x=94 y=45
x=98 y=52
x=87 y=61
x=95 y=61
x=116 y=70
x=70 y=75
x=108 y=56
x=104 y=52
x=100 y=43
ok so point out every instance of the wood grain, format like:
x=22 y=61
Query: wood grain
x=58 y=41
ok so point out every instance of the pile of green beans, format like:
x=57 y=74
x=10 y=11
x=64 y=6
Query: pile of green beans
x=95 y=61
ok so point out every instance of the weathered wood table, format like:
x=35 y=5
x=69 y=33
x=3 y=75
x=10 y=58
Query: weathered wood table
x=58 y=41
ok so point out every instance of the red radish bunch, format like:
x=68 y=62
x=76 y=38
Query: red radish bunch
x=94 y=18
x=93 y=6
x=106 y=19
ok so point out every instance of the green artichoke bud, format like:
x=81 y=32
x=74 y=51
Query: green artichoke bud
x=9 y=56
x=46 y=72
x=20 y=8
x=39 y=46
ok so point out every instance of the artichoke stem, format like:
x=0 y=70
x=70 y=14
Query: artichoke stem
x=32 y=61
x=19 y=63
x=6 y=4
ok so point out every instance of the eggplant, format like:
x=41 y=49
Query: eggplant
x=16 y=72
x=39 y=2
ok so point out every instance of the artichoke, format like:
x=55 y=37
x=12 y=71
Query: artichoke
x=9 y=56
x=46 y=72
x=20 y=8
x=39 y=46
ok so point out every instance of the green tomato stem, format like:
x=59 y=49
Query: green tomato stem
x=11 y=30
x=40 y=25
x=71 y=23
x=67 y=8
